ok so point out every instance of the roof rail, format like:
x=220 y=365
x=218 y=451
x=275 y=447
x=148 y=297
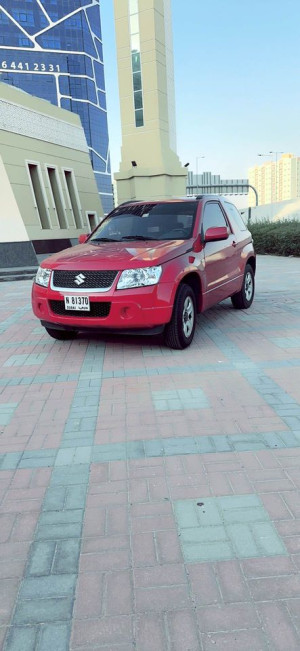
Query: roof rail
x=209 y=194
x=124 y=203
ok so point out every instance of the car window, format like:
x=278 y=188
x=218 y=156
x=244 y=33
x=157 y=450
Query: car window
x=160 y=221
x=213 y=216
x=235 y=217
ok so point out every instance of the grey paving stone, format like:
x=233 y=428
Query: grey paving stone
x=135 y=449
x=5 y=418
x=34 y=611
x=36 y=454
x=66 y=556
x=222 y=443
x=184 y=445
x=54 y=499
x=64 y=457
x=80 y=441
x=75 y=497
x=205 y=444
x=11 y=460
x=63 y=516
x=21 y=639
x=84 y=411
x=57 y=532
x=54 y=637
x=36 y=462
x=70 y=476
x=78 y=435
x=41 y=558
x=272 y=440
x=45 y=587
x=82 y=454
x=154 y=448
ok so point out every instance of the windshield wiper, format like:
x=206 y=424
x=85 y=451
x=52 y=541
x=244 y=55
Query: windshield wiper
x=137 y=237
x=104 y=239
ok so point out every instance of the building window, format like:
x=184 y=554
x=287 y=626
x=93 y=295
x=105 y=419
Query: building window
x=57 y=197
x=39 y=194
x=73 y=197
x=136 y=63
x=92 y=220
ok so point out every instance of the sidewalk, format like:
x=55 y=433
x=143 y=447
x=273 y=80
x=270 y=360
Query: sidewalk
x=150 y=498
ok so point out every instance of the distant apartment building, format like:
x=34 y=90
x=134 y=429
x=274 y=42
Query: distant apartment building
x=276 y=181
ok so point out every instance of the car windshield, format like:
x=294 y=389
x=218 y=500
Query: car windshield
x=160 y=221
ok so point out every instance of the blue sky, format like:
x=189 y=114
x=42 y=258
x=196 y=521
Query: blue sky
x=237 y=81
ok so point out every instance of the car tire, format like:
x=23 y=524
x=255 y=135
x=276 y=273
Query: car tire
x=243 y=299
x=61 y=335
x=179 y=332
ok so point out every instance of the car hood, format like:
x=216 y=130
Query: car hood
x=117 y=255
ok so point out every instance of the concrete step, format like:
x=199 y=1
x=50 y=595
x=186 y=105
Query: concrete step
x=17 y=273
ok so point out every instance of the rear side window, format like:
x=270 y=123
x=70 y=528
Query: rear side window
x=235 y=217
x=213 y=216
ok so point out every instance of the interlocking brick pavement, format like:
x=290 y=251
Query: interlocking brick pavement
x=149 y=498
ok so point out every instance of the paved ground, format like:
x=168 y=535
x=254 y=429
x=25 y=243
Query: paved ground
x=150 y=498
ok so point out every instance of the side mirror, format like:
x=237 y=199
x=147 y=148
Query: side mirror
x=82 y=238
x=217 y=233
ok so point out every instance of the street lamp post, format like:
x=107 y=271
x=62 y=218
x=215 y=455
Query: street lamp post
x=198 y=158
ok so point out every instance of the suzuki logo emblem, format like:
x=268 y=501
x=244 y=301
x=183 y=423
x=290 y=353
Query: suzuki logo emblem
x=79 y=279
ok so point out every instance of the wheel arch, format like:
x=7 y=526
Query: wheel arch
x=192 y=280
x=252 y=262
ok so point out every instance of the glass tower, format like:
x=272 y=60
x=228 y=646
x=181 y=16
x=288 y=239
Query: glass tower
x=53 y=49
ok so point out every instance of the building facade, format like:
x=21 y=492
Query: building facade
x=49 y=194
x=53 y=49
x=276 y=181
x=150 y=167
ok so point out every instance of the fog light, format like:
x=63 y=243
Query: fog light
x=125 y=313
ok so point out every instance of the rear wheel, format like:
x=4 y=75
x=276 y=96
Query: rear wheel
x=243 y=299
x=61 y=335
x=179 y=332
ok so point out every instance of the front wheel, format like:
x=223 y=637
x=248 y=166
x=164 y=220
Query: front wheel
x=179 y=332
x=243 y=299
x=61 y=335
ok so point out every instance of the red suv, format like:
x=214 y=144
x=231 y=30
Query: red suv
x=148 y=267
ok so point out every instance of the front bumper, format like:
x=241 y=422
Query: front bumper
x=143 y=308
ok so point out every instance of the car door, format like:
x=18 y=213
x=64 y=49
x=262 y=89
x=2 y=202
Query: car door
x=241 y=237
x=219 y=256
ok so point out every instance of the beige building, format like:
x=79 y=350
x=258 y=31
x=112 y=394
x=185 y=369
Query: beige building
x=276 y=181
x=48 y=189
x=150 y=167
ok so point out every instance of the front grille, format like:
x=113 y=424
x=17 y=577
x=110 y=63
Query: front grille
x=96 y=310
x=92 y=279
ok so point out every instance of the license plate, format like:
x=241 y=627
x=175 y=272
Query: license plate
x=79 y=303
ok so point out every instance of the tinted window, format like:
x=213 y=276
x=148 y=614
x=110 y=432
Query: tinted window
x=161 y=221
x=235 y=217
x=213 y=216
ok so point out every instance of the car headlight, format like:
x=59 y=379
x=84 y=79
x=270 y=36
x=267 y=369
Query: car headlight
x=42 y=277
x=139 y=277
